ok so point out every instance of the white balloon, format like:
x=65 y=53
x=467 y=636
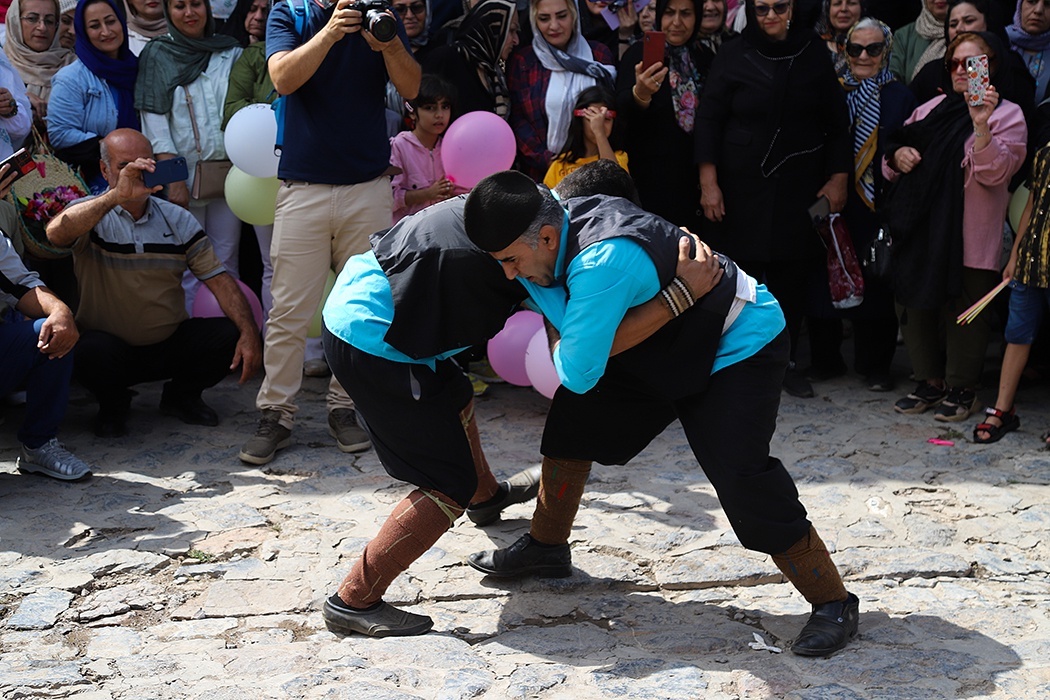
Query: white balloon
x=250 y=136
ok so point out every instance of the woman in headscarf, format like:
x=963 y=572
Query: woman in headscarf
x=659 y=107
x=96 y=93
x=247 y=22
x=772 y=138
x=545 y=79
x=950 y=158
x=474 y=63
x=920 y=42
x=145 y=21
x=1030 y=38
x=32 y=45
x=878 y=105
x=836 y=19
x=189 y=69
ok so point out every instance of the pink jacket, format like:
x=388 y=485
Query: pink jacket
x=988 y=173
x=420 y=167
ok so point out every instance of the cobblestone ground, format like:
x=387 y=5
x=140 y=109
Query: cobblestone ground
x=178 y=572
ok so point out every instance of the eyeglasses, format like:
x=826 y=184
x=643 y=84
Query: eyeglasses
x=874 y=50
x=35 y=19
x=956 y=63
x=416 y=8
x=780 y=8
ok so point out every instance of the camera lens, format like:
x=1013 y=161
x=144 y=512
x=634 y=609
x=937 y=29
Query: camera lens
x=381 y=25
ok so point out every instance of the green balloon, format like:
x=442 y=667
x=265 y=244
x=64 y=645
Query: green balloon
x=315 y=322
x=251 y=199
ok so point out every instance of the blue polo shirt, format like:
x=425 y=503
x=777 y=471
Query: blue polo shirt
x=335 y=124
x=591 y=295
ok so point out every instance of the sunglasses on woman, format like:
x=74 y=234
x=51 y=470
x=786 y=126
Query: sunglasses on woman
x=874 y=50
x=780 y=8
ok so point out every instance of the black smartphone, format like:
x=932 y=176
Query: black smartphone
x=166 y=172
x=21 y=161
x=820 y=210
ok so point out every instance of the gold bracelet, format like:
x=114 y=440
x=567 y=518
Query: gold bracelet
x=634 y=91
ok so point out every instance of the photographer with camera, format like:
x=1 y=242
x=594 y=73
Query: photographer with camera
x=335 y=191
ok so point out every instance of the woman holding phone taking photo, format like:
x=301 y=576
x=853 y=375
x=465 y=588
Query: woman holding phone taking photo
x=657 y=99
x=944 y=261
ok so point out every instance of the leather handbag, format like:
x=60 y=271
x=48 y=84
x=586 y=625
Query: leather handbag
x=877 y=261
x=209 y=176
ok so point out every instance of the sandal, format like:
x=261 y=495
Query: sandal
x=1009 y=422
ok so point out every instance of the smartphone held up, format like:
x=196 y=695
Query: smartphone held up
x=978 y=79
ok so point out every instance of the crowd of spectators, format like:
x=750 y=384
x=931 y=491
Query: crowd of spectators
x=757 y=110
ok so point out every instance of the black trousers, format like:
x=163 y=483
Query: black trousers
x=195 y=357
x=412 y=415
x=728 y=425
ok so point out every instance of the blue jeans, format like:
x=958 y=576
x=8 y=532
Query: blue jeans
x=1027 y=308
x=46 y=381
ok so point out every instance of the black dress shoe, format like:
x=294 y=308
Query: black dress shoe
x=524 y=558
x=796 y=384
x=521 y=487
x=188 y=409
x=830 y=628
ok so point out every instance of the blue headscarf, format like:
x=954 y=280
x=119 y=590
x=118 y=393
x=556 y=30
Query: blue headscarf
x=119 y=73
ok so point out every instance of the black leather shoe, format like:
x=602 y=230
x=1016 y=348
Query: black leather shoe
x=830 y=628
x=188 y=409
x=521 y=487
x=523 y=558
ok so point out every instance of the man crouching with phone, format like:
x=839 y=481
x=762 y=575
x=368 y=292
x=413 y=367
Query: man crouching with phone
x=132 y=310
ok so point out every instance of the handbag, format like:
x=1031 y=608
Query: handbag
x=845 y=279
x=209 y=176
x=877 y=262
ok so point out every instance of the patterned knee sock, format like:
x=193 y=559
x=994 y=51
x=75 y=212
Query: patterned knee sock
x=487 y=486
x=415 y=525
x=808 y=566
x=561 y=489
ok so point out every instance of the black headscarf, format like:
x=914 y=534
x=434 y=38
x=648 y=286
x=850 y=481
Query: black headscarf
x=480 y=40
x=799 y=34
x=923 y=209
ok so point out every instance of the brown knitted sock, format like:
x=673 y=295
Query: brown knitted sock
x=487 y=486
x=415 y=525
x=561 y=489
x=808 y=566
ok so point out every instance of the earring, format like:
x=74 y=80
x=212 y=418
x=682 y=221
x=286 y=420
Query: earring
x=789 y=24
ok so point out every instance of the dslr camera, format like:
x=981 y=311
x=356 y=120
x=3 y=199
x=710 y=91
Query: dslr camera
x=374 y=18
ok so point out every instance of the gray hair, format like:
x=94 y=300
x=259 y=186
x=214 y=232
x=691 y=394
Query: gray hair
x=550 y=213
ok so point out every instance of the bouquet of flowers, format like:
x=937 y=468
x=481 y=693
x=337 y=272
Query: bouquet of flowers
x=46 y=204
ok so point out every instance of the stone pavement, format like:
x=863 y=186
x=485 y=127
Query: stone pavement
x=178 y=572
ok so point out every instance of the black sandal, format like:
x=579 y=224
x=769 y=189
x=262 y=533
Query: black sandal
x=1010 y=422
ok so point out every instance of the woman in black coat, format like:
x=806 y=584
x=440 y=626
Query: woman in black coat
x=659 y=106
x=772 y=138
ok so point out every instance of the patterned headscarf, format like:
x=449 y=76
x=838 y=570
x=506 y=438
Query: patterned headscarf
x=863 y=99
x=682 y=73
x=36 y=68
x=480 y=40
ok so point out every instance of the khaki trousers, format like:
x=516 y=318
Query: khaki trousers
x=317 y=228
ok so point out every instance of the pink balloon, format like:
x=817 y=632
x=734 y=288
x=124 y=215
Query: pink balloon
x=539 y=365
x=507 y=348
x=205 y=305
x=475 y=146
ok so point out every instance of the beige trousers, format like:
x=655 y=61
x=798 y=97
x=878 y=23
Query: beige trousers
x=317 y=228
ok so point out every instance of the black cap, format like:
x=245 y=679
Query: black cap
x=500 y=208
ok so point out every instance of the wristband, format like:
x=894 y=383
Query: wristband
x=677 y=296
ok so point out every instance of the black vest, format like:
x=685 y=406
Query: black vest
x=676 y=360
x=447 y=293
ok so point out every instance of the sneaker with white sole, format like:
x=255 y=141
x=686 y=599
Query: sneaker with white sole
x=269 y=437
x=54 y=460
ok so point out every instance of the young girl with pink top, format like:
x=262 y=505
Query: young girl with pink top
x=417 y=153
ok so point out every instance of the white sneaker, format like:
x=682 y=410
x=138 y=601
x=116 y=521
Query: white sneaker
x=51 y=459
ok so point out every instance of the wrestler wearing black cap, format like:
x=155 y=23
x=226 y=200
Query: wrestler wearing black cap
x=717 y=367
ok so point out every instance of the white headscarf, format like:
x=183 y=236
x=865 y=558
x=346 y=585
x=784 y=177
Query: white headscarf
x=572 y=71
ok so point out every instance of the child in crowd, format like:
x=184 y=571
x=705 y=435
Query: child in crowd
x=417 y=153
x=589 y=136
x=1029 y=273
